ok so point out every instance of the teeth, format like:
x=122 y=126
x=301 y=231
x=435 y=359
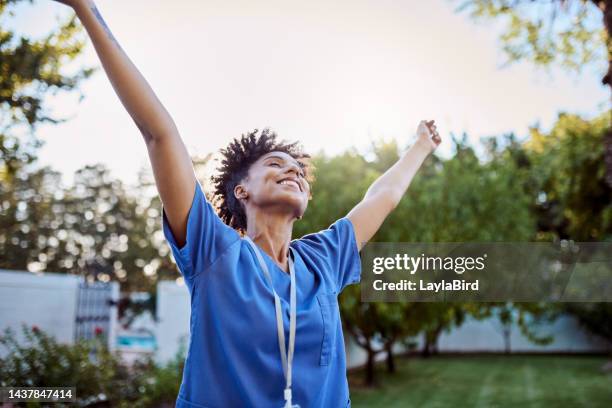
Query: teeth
x=287 y=182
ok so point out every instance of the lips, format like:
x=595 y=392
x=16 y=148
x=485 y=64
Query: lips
x=290 y=181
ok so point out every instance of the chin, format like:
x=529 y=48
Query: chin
x=296 y=203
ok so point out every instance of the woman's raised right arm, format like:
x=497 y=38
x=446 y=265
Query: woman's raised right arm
x=172 y=166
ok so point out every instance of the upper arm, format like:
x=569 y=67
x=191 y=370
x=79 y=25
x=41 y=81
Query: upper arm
x=175 y=181
x=191 y=226
x=369 y=214
x=207 y=236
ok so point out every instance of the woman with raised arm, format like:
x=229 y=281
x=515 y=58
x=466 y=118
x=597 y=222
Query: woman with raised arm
x=265 y=325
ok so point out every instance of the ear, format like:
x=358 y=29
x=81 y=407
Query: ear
x=240 y=192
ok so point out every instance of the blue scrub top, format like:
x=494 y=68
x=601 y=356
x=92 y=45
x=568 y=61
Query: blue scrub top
x=233 y=357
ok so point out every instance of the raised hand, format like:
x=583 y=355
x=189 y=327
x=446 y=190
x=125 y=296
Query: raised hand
x=427 y=135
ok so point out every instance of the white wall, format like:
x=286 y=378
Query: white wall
x=47 y=300
x=173 y=312
x=485 y=336
x=173 y=309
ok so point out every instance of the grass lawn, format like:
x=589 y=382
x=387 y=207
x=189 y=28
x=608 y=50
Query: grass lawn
x=488 y=381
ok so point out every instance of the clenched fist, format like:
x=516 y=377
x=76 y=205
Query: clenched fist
x=427 y=135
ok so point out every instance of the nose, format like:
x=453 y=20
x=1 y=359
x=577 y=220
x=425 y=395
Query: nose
x=295 y=168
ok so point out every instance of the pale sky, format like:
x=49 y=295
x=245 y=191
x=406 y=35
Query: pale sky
x=331 y=74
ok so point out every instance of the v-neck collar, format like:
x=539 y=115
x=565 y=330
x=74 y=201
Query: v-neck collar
x=274 y=264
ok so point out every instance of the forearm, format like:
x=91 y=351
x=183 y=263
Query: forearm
x=395 y=181
x=387 y=191
x=131 y=87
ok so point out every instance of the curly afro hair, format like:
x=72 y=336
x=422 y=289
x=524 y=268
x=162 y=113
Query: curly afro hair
x=236 y=160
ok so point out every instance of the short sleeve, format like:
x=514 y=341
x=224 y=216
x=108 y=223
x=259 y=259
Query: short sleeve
x=337 y=245
x=207 y=237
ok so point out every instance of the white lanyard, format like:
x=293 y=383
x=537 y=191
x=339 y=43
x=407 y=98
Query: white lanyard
x=286 y=356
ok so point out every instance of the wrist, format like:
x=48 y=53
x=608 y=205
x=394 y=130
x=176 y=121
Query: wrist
x=423 y=147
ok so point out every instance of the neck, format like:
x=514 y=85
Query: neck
x=272 y=233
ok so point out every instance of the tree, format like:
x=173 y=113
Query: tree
x=30 y=70
x=595 y=317
x=568 y=33
x=28 y=223
x=527 y=316
x=572 y=199
x=567 y=179
x=474 y=200
x=110 y=233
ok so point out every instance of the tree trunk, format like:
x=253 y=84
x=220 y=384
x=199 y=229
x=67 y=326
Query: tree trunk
x=369 y=377
x=390 y=359
x=606 y=8
x=434 y=339
x=507 y=333
x=426 y=352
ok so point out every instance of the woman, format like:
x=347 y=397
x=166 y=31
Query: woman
x=265 y=326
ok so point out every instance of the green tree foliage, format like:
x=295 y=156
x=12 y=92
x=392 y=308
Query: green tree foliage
x=30 y=70
x=95 y=227
x=573 y=201
x=595 y=317
x=460 y=199
x=28 y=222
x=108 y=233
x=568 y=33
x=571 y=167
x=567 y=179
x=341 y=182
x=525 y=316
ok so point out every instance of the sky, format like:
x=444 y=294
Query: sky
x=331 y=74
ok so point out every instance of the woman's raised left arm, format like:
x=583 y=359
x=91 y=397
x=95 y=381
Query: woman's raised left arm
x=386 y=192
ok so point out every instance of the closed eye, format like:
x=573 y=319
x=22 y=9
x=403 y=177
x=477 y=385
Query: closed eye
x=300 y=173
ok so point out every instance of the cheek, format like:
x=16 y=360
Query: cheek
x=262 y=187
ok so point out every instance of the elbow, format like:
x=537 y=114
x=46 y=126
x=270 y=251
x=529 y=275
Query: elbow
x=144 y=131
x=155 y=134
x=391 y=197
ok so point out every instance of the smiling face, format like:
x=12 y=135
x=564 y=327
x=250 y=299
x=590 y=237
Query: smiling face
x=275 y=182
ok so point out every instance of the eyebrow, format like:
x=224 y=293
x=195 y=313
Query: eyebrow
x=302 y=165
